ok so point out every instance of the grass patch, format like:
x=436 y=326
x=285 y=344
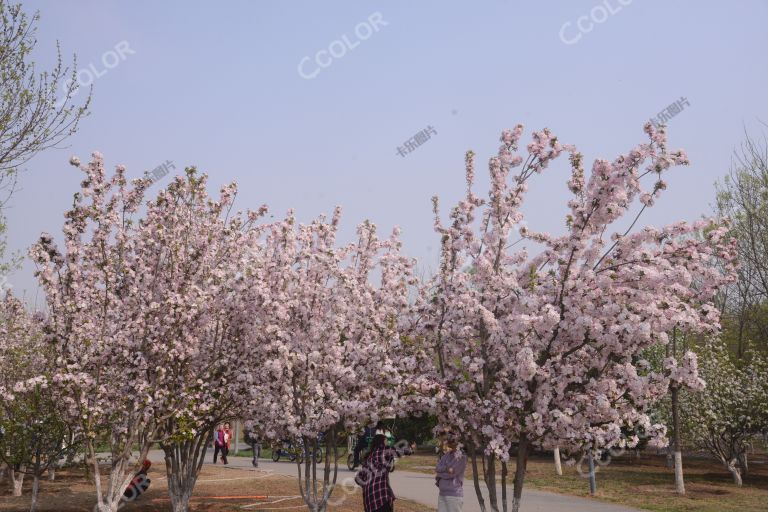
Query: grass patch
x=644 y=483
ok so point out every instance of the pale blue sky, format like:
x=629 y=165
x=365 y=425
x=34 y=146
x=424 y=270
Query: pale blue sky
x=216 y=84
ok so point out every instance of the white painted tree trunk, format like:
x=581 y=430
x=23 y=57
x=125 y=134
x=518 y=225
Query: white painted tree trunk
x=51 y=473
x=111 y=500
x=677 y=442
x=735 y=473
x=18 y=481
x=183 y=463
x=736 y=476
x=121 y=474
x=108 y=507
x=558 y=465
x=180 y=491
x=679 y=482
x=35 y=491
x=592 y=475
x=180 y=500
x=17 y=478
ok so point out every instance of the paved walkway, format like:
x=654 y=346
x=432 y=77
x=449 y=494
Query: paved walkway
x=420 y=487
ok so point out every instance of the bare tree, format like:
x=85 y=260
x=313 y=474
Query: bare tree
x=743 y=197
x=32 y=117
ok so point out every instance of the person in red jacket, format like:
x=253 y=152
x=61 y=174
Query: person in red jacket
x=227 y=441
x=139 y=484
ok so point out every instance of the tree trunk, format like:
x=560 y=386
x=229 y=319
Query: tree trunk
x=490 y=481
x=743 y=464
x=734 y=470
x=558 y=465
x=180 y=500
x=476 y=478
x=120 y=476
x=679 y=481
x=521 y=463
x=71 y=454
x=318 y=501
x=183 y=462
x=592 y=476
x=676 y=444
x=51 y=473
x=504 y=485
x=35 y=490
x=17 y=478
x=740 y=338
x=87 y=464
x=107 y=507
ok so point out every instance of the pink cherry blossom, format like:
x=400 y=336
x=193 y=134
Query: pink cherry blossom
x=543 y=349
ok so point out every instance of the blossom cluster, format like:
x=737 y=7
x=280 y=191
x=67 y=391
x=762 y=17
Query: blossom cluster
x=168 y=315
x=141 y=319
x=328 y=343
x=546 y=347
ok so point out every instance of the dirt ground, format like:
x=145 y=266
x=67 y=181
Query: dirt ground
x=644 y=483
x=218 y=489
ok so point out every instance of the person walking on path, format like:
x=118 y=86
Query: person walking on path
x=253 y=439
x=374 y=477
x=219 y=445
x=227 y=440
x=450 y=477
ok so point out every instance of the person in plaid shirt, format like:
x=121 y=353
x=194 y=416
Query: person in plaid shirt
x=374 y=477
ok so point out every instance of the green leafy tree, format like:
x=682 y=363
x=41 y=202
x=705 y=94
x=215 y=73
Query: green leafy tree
x=34 y=436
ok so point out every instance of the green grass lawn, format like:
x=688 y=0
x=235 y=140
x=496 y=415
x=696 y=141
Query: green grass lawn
x=644 y=483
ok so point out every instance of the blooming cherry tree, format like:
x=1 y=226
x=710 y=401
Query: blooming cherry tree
x=189 y=282
x=140 y=321
x=544 y=349
x=107 y=385
x=330 y=354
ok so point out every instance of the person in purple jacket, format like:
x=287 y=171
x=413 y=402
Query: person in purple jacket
x=220 y=444
x=450 y=477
